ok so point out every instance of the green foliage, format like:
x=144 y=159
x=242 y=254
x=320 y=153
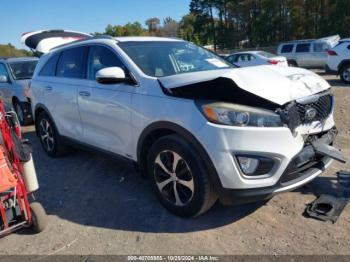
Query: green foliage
x=248 y=23
x=234 y=23
x=10 y=51
x=130 y=29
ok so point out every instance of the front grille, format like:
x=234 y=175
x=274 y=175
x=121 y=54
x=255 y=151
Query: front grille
x=298 y=112
x=323 y=107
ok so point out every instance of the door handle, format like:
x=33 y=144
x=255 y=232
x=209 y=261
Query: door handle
x=48 y=88
x=84 y=93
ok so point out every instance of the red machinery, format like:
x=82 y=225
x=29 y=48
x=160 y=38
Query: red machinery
x=15 y=210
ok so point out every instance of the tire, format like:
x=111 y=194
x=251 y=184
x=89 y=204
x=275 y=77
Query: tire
x=39 y=217
x=292 y=63
x=345 y=73
x=187 y=192
x=49 y=136
x=21 y=115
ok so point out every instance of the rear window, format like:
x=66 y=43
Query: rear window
x=71 y=63
x=287 y=48
x=303 y=48
x=49 y=68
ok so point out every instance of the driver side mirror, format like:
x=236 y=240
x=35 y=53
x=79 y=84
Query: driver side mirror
x=3 y=79
x=111 y=75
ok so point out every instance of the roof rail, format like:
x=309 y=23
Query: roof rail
x=300 y=41
x=84 y=39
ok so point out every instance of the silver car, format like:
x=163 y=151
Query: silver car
x=307 y=53
x=15 y=74
x=198 y=127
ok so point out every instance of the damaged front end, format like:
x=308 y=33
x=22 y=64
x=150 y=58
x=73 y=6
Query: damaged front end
x=223 y=101
x=304 y=111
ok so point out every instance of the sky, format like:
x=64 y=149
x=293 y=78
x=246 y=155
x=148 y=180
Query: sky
x=20 y=16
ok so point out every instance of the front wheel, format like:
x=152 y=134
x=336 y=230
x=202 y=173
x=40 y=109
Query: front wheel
x=345 y=74
x=179 y=178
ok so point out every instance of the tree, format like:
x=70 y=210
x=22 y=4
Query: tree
x=130 y=29
x=170 y=27
x=153 y=25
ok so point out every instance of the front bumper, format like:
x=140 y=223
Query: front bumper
x=295 y=164
x=303 y=168
x=329 y=71
x=299 y=178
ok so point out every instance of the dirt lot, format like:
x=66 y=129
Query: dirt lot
x=98 y=205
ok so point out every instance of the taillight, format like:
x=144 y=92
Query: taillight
x=331 y=52
x=273 y=62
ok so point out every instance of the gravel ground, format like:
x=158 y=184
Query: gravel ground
x=99 y=205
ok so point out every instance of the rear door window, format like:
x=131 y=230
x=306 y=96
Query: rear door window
x=287 y=48
x=49 y=68
x=303 y=48
x=320 y=47
x=71 y=63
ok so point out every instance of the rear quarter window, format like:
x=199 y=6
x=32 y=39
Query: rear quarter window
x=287 y=48
x=303 y=48
x=320 y=47
x=49 y=68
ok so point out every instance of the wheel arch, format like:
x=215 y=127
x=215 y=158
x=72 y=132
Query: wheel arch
x=292 y=61
x=343 y=63
x=159 y=129
x=39 y=108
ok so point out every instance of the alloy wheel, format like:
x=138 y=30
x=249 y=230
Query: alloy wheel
x=346 y=74
x=46 y=135
x=173 y=178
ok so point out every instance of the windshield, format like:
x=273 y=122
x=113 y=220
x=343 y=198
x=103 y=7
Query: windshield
x=166 y=58
x=23 y=70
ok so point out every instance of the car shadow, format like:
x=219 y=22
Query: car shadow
x=96 y=190
x=337 y=83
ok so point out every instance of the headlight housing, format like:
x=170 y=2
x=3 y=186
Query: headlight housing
x=239 y=115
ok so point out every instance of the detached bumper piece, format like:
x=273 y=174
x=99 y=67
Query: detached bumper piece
x=327 y=208
x=327 y=150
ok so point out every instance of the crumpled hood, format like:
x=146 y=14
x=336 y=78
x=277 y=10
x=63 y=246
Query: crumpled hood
x=279 y=85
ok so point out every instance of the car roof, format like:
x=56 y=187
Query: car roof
x=97 y=39
x=299 y=41
x=146 y=39
x=18 y=59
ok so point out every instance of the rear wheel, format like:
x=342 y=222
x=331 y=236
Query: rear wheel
x=179 y=178
x=49 y=137
x=292 y=63
x=345 y=74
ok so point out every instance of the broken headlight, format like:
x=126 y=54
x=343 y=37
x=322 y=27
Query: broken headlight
x=239 y=115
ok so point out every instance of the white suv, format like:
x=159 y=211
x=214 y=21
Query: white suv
x=199 y=128
x=339 y=60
